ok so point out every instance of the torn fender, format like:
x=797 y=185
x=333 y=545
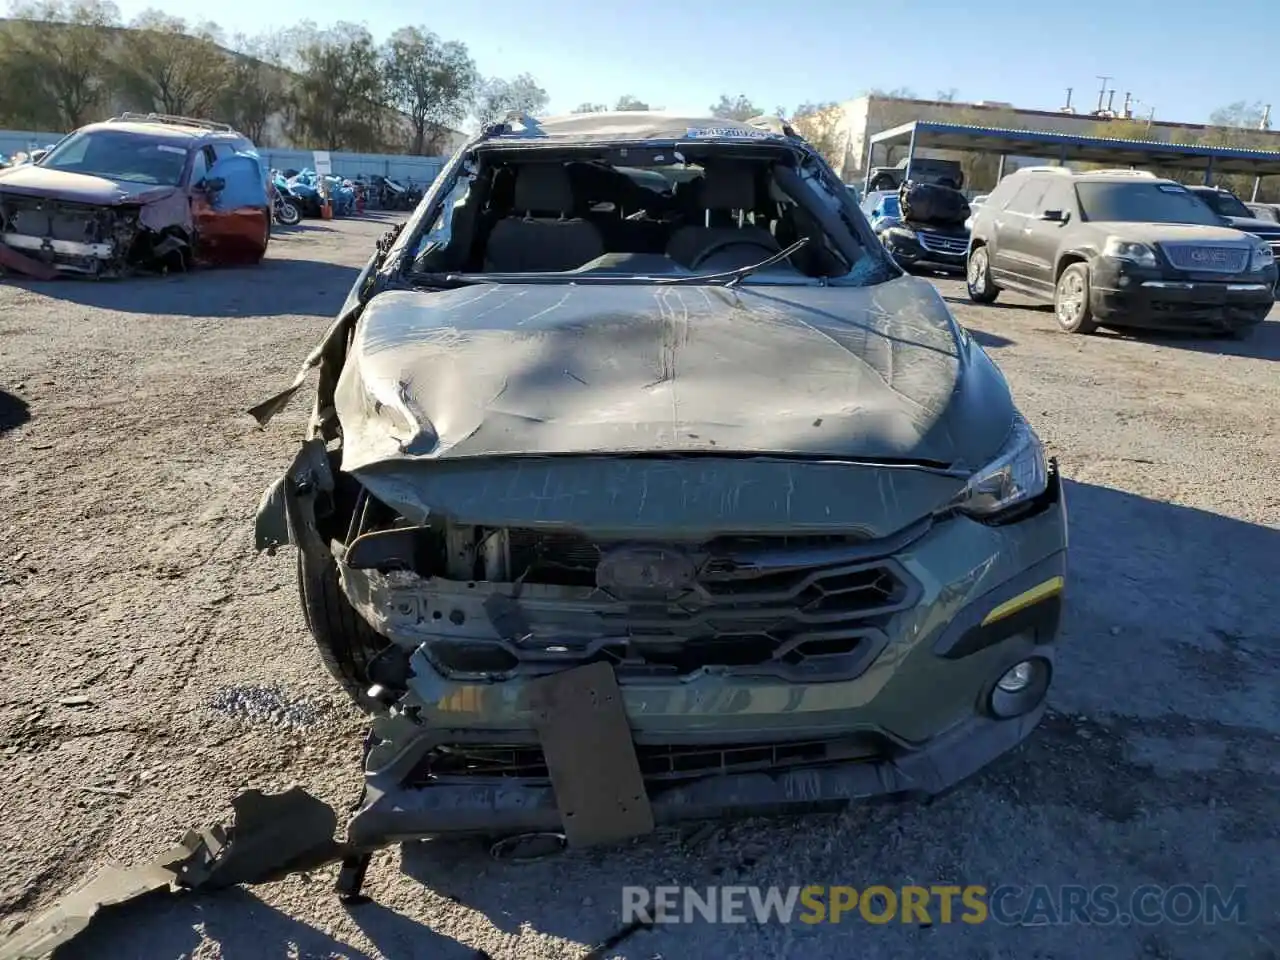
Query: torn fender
x=271 y=837
x=286 y=512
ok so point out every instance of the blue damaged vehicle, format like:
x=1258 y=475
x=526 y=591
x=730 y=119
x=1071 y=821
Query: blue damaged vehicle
x=627 y=502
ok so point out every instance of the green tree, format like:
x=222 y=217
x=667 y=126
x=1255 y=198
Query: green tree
x=56 y=69
x=171 y=67
x=590 y=108
x=735 y=108
x=340 y=93
x=628 y=102
x=499 y=97
x=431 y=80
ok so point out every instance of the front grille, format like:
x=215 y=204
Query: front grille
x=1207 y=258
x=938 y=243
x=657 y=763
x=802 y=607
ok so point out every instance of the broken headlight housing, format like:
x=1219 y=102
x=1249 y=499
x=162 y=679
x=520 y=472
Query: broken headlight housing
x=1018 y=474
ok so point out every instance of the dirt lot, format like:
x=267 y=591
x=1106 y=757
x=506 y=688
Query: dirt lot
x=152 y=665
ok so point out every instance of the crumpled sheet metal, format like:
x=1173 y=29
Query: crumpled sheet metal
x=18 y=263
x=271 y=837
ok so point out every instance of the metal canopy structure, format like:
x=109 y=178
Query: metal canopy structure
x=1065 y=147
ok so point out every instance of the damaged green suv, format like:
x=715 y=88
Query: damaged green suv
x=642 y=486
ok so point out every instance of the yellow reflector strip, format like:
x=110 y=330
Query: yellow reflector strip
x=1050 y=588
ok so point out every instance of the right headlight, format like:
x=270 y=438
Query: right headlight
x=1139 y=253
x=1018 y=474
x=1262 y=255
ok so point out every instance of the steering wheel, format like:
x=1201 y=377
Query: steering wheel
x=727 y=243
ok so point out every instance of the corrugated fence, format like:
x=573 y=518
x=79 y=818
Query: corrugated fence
x=420 y=170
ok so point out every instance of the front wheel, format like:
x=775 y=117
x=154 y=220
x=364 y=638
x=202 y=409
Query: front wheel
x=287 y=214
x=977 y=275
x=345 y=641
x=1071 y=300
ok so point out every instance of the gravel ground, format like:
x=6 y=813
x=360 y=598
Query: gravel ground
x=152 y=665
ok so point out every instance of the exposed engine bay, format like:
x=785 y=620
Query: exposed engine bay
x=87 y=239
x=493 y=603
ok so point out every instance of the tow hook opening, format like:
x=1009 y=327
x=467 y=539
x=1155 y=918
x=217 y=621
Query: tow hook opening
x=529 y=847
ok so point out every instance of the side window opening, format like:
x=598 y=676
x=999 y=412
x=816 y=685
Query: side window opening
x=1027 y=199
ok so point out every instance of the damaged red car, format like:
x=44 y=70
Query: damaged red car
x=138 y=192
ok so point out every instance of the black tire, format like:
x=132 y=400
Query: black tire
x=287 y=214
x=347 y=644
x=977 y=277
x=1071 y=300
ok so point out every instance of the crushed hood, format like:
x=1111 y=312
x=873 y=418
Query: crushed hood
x=865 y=373
x=77 y=187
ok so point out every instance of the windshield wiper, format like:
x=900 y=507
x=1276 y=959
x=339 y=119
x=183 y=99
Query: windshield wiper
x=730 y=277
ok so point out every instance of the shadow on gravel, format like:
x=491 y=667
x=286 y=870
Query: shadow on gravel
x=991 y=340
x=14 y=411
x=240 y=925
x=276 y=287
x=1262 y=344
x=999 y=304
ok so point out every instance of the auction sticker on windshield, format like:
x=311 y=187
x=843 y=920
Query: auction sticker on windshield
x=706 y=133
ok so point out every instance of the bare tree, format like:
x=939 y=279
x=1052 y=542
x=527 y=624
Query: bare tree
x=340 y=92
x=897 y=93
x=946 y=96
x=257 y=86
x=169 y=66
x=628 y=102
x=432 y=81
x=56 y=58
x=820 y=124
x=590 y=108
x=498 y=97
x=734 y=108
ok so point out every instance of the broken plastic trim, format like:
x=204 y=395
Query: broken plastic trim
x=271 y=837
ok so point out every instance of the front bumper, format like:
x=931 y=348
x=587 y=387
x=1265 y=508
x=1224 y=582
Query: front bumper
x=914 y=720
x=1123 y=294
x=911 y=254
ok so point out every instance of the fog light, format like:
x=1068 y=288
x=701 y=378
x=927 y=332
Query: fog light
x=1016 y=678
x=1020 y=689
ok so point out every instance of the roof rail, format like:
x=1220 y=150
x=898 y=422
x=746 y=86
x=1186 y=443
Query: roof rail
x=129 y=117
x=1045 y=169
x=1122 y=172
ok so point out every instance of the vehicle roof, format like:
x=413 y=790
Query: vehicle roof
x=162 y=130
x=1093 y=176
x=634 y=125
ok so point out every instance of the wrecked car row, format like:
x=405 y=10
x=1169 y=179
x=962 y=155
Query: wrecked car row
x=149 y=192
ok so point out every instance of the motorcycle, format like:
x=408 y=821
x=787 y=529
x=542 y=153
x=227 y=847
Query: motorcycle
x=283 y=210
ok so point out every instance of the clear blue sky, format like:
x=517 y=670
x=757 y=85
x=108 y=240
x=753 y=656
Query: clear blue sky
x=1184 y=59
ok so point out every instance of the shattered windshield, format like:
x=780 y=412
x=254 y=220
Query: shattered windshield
x=119 y=155
x=660 y=217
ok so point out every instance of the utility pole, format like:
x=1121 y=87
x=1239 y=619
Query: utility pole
x=1102 y=92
